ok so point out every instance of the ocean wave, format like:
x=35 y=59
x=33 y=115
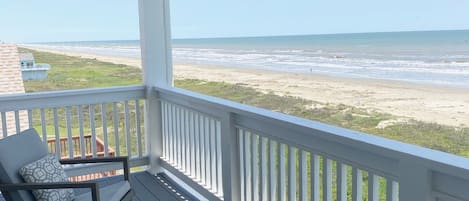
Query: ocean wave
x=409 y=66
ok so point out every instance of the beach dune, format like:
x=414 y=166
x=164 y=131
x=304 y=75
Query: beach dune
x=429 y=103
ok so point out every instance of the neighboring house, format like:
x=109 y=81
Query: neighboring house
x=31 y=70
x=11 y=82
x=27 y=60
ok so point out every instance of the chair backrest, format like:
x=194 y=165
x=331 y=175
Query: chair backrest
x=17 y=151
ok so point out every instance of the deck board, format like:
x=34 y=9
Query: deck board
x=148 y=183
x=149 y=187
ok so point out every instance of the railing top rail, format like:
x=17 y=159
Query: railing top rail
x=382 y=147
x=25 y=101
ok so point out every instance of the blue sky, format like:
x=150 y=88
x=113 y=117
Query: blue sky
x=83 y=20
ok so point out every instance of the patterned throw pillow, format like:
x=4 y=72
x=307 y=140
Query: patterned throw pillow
x=46 y=170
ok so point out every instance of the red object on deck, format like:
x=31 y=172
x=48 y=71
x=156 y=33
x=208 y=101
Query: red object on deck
x=77 y=149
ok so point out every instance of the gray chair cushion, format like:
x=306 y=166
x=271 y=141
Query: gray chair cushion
x=113 y=192
x=46 y=170
x=17 y=151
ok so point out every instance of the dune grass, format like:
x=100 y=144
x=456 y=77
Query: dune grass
x=74 y=72
x=430 y=135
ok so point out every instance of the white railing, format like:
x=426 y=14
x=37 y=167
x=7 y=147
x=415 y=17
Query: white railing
x=192 y=144
x=228 y=150
x=113 y=117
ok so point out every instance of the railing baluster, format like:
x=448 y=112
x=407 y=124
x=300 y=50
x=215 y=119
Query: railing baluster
x=4 y=125
x=115 y=111
x=93 y=131
x=17 y=121
x=327 y=179
x=57 y=134
x=177 y=124
x=171 y=145
x=315 y=177
x=187 y=146
x=272 y=171
x=303 y=177
x=198 y=147
x=182 y=138
x=357 y=182
x=177 y=136
x=139 y=129
x=202 y=149
x=68 y=121
x=188 y=142
x=192 y=144
x=127 y=129
x=282 y=180
x=82 y=132
x=213 y=151
x=207 y=153
x=264 y=175
x=164 y=124
x=391 y=190
x=341 y=182
x=104 y=124
x=373 y=187
x=165 y=130
x=292 y=173
x=219 y=158
x=172 y=134
x=255 y=166
x=30 y=118
x=242 y=164
x=248 y=169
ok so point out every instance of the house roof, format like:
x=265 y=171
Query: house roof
x=11 y=82
x=26 y=57
x=10 y=70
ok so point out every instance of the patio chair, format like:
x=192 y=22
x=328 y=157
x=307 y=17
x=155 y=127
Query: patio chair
x=24 y=148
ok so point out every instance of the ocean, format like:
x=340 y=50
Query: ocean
x=425 y=57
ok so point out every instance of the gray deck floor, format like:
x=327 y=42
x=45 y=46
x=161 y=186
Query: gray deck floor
x=149 y=187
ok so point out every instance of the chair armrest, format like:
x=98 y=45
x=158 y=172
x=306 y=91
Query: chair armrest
x=123 y=159
x=55 y=185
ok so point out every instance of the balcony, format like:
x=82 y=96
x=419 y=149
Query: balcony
x=219 y=148
x=184 y=145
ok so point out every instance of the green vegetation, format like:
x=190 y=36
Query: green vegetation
x=72 y=72
x=75 y=73
x=434 y=136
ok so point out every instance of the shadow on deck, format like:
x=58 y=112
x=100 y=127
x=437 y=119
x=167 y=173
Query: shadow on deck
x=149 y=187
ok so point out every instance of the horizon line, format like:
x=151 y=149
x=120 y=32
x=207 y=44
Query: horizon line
x=247 y=36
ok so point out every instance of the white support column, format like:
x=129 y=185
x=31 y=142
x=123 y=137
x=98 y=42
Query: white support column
x=155 y=41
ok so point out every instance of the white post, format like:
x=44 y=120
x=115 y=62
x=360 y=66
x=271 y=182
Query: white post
x=155 y=41
x=230 y=159
x=414 y=181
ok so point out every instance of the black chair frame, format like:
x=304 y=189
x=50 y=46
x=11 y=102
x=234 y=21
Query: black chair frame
x=94 y=186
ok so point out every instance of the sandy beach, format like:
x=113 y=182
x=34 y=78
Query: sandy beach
x=443 y=105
